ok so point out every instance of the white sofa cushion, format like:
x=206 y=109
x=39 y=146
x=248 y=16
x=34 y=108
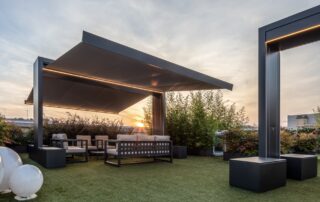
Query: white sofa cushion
x=121 y=137
x=144 y=137
x=112 y=151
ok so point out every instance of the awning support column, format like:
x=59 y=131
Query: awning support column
x=38 y=99
x=158 y=113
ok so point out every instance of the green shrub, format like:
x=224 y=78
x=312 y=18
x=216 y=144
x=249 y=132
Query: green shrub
x=4 y=129
x=239 y=141
x=177 y=120
x=16 y=136
x=306 y=143
x=193 y=119
x=288 y=142
x=75 y=125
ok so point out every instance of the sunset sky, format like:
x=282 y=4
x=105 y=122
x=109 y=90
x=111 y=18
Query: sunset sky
x=216 y=37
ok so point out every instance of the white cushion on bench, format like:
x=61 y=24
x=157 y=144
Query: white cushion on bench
x=143 y=137
x=161 y=138
x=121 y=137
x=112 y=151
x=74 y=149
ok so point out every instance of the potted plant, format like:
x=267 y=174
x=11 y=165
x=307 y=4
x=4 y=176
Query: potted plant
x=179 y=140
x=18 y=141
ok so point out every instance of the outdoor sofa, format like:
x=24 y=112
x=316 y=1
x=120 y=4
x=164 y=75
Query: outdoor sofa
x=156 y=147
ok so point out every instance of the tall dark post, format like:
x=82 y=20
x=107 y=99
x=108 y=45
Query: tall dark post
x=269 y=99
x=273 y=102
x=38 y=102
x=158 y=113
x=262 y=95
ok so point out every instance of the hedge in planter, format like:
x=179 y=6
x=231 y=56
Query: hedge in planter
x=178 y=124
x=306 y=143
x=240 y=144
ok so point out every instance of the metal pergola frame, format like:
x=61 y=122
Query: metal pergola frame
x=169 y=77
x=270 y=170
x=293 y=31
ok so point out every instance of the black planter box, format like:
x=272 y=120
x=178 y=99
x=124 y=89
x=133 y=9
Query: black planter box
x=200 y=152
x=230 y=155
x=48 y=157
x=257 y=174
x=179 y=152
x=300 y=166
x=18 y=148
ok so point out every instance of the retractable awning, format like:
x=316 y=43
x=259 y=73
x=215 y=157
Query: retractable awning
x=101 y=75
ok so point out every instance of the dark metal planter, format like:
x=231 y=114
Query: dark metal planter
x=200 y=152
x=18 y=148
x=230 y=155
x=180 y=152
x=301 y=166
x=48 y=157
x=257 y=174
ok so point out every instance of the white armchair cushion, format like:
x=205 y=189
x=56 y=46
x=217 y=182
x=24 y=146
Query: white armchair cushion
x=61 y=136
x=83 y=137
x=75 y=150
x=100 y=140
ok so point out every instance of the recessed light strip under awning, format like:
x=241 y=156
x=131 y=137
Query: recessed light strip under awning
x=106 y=81
x=293 y=34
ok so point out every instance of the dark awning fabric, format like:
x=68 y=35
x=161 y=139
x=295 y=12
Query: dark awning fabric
x=101 y=75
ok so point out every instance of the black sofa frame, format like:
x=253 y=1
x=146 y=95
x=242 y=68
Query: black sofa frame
x=158 y=150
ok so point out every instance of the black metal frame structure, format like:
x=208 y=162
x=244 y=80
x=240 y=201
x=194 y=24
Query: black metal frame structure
x=268 y=171
x=293 y=31
x=103 y=76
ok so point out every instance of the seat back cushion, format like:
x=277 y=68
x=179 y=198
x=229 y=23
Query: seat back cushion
x=61 y=136
x=102 y=139
x=143 y=137
x=122 y=137
x=161 y=137
x=83 y=137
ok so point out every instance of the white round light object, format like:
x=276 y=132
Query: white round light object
x=10 y=161
x=1 y=170
x=25 y=182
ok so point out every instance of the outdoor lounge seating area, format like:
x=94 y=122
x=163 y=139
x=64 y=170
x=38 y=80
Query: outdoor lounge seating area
x=138 y=145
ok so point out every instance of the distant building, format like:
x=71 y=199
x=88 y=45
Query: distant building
x=302 y=121
x=24 y=124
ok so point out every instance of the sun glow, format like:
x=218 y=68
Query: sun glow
x=139 y=124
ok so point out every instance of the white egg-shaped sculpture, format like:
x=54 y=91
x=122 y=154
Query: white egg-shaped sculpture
x=25 y=182
x=1 y=170
x=10 y=161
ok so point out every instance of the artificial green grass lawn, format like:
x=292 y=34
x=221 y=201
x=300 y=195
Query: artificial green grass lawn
x=192 y=179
